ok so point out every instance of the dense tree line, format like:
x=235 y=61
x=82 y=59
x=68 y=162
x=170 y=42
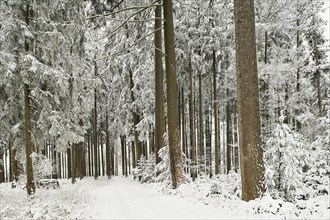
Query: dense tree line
x=201 y=88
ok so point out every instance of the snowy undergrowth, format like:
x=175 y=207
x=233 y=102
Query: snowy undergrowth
x=224 y=191
x=67 y=202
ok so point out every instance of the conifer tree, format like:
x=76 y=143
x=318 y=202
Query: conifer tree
x=251 y=153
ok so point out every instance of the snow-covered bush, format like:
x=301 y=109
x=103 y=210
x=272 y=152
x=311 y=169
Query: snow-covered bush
x=228 y=186
x=163 y=167
x=145 y=168
x=297 y=167
x=42 y=166
x=285 y=155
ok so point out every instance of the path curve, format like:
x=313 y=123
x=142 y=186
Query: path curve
x=125 y=199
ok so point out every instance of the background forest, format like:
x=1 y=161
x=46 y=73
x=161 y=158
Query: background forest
x=83 y=92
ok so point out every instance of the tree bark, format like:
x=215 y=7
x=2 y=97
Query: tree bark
x=264 y=92
x=171 y=90
x=122 y=144
x=30 y=186
x=193 y=171
x=200 y=112
x=136 y=120
x=215 y=109
x=297 y=110
x=229 y=136
x=183 y=122
x=318 y=77
x=73 y=163
x=208 y=141
x=96 y=173
x=251 y=153
x=107 y=144
x=159 y=91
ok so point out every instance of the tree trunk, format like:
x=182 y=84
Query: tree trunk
x=193 y=171
x=2 y=171
x=318 y=77
x=125 y=157
x=215 y=108
x=59 y=165
x=11 y=161
x=74 y=163
x=79 y=167
x=96 y=174
x=136 y=120
x=68 y=151
x=89 y=153
x=208 y=140
x=102 y=155
x=171 y=91
x=30 y=186
x=264 y=92
x=107 y=144
x=128 y=157
x=229 y=136
x=183 y=122
x=297 y=110
x=251 y=153
x=122 y=144
x=133 y=154
x=112 y=153
x=200 y=112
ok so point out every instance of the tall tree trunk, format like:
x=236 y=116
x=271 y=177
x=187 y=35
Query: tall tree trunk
x=68 y=152
x=79 y=168
x=2 y=170
x=122 y=144
x=125 y=157
x=107 y=144
x=215 y=108
x=11 y=161
x=96 y=173
x=229 y=136
x=102 y=155
x=84 y=159
x=193 y=171
x=171 y=91
x=59 y=165
x=297 y=110
x=183 y=122
x=136 y=120
x=251 y=153
x=112 y=153
x=89 y=146
x=151 y=141
x=133 y=154
x=201 y=130
x=264 y=90
x=128 y=157
x=73 y=162
x=208 y=140
x=318 y=76
x=30 y=186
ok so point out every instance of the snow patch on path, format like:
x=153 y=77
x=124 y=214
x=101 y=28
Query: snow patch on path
x=125 y=199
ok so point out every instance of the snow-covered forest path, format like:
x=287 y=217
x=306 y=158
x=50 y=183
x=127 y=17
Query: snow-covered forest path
x=125 y=199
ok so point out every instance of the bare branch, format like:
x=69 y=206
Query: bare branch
x=130 y=46
x=125 y=22
x=145 y=20
x=144 y=7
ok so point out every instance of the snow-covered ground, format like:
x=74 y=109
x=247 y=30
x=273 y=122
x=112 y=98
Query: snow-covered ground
x=124 y=198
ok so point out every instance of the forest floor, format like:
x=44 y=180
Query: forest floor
x=124 y=198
